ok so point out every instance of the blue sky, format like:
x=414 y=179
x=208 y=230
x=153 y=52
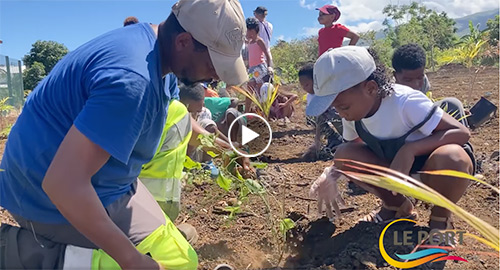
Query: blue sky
x=75 y=22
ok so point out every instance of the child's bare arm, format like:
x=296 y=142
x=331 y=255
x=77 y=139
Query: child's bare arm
x=448 y=131
x=262 y=45
x=353 y=36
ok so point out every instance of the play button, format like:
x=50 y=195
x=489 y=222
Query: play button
x=254 y=134
x=248 y=135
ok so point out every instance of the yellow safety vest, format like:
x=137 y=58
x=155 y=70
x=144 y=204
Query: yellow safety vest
x=163 y=173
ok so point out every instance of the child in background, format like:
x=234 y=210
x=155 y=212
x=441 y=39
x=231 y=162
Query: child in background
x=283 y=104
x=332 y=35
x=334 y=137
x=266 y=28
x=408 y=62
x=390 y=125
x=259 y=59
x=224 y=112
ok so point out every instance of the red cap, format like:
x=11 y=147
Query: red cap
x=330 y=9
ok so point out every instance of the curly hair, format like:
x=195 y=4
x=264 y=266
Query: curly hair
x=409 y=56
x=252 y=23
x=380 y=76
x=130 y=20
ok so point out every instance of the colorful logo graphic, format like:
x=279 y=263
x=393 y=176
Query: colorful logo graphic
x=417 y=258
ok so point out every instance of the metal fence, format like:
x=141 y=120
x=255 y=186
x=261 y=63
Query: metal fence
x=11 y=81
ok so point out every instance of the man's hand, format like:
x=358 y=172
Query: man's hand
x=247 y=171
x=325 y=190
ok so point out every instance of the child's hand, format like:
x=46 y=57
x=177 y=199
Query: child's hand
x=325 y=190
x=270 y=70
x=403 y=161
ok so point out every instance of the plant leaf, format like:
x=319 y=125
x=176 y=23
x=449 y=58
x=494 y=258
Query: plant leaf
x=259 y=165
x=452 y=173
x=224 y=182
x=191 y=164
x=207 y=140
x=254 y=186
x=395 y=181
x=286 y=224
x=212 y=154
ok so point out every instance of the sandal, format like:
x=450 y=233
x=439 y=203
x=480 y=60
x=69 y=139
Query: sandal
x=399 y=212
x=438 y=238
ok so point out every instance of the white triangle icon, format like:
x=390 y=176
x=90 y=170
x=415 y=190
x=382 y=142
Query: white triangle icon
x=248 y=135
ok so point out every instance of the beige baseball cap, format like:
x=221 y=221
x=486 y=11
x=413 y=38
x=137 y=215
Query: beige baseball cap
x=219 y=25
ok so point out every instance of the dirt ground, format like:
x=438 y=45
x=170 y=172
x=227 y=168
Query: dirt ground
x=316 y=243
x=247 y=241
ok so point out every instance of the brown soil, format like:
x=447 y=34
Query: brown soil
x=248 y=243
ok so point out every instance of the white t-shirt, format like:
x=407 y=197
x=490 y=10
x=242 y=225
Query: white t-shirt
x=398 y=113
x=266 y=35
x=264 y=91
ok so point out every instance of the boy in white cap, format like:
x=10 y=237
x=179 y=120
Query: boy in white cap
x=389 y=125
x=98 y=117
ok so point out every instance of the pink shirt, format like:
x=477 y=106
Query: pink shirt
x=256 y=55
x=331 y=37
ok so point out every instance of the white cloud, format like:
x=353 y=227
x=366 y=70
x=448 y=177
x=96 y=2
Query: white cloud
x=310 y=31
x=460 y=8
x=364 y=27
x=311 y=6
x=364 y=15
x=355 y=10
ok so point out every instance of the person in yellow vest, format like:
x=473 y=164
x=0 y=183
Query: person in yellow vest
x=162 y=175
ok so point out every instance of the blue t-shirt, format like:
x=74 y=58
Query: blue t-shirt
x=171 y=86
x=112 y=90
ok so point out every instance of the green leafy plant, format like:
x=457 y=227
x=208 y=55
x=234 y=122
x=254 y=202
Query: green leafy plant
x=289 y=56
x=231 y=180
x=467 y=52
x=5 y=108
x=263 y=104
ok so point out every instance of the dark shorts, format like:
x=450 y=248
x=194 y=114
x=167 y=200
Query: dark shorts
x=419 y=162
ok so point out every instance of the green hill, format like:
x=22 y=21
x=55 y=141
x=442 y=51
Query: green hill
x=462 y=24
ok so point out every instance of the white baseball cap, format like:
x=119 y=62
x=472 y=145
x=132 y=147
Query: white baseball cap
x=335 y=71
x=219 y=25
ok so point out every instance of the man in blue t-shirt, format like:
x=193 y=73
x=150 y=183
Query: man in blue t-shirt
x=98 y=117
